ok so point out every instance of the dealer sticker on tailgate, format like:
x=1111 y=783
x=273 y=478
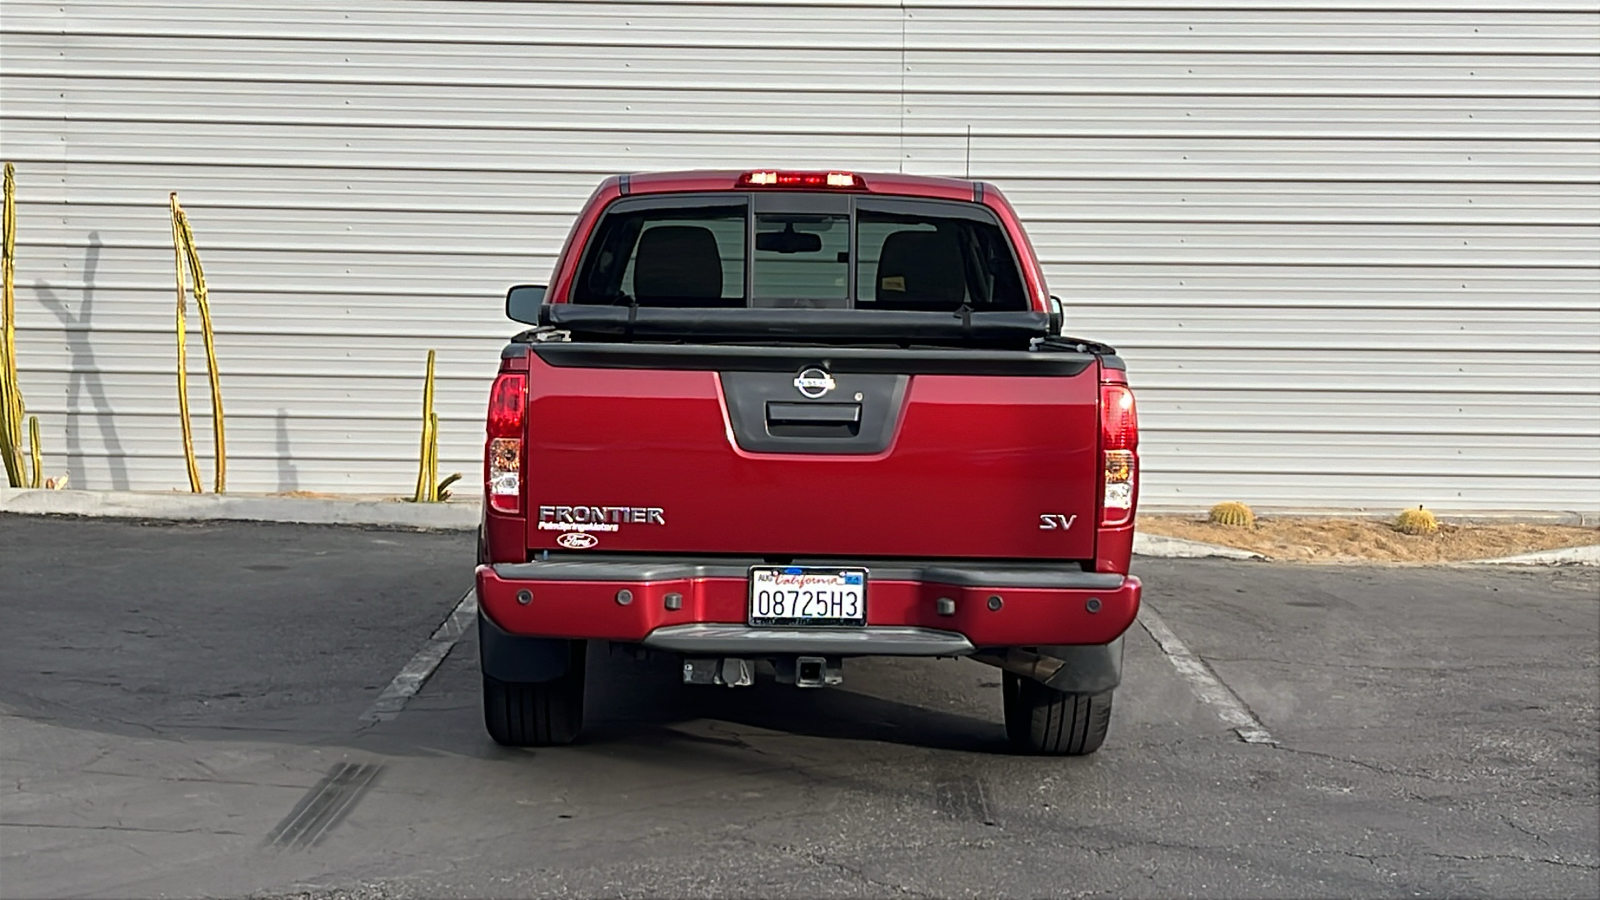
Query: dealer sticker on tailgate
x=807 y=595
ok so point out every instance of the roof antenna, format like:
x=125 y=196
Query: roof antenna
x=969 y=151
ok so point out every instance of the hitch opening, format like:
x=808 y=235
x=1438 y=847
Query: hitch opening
x=815 y=671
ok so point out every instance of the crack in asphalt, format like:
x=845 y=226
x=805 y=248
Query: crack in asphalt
x=1372 y=767
x=1522 y=610
x=1511 y=858
x=43 y=719
x=133 y=828
x=819 y=859
x=1373 y=858
x=184 y=779
x=1364 y=857
x=1518 y=826
x=1430 y=777
x=1479 y=667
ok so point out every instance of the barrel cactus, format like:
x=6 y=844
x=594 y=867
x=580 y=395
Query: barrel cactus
x=1416 y=521
x=1233 y=513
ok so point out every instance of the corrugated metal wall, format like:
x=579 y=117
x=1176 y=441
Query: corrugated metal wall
x=1352 y=253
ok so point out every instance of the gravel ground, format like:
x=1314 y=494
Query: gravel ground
x=1321 y=539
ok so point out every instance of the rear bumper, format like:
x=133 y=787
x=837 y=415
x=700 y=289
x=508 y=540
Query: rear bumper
x=751 y=641
x=698 y=606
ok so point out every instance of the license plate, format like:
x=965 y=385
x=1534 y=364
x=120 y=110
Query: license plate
x=807 y=595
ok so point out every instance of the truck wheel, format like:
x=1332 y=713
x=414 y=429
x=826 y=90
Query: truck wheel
x=1049 y=722
x=536 y=714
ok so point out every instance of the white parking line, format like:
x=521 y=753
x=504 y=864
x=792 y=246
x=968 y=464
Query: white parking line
x=1205 y=683
x=416 y=672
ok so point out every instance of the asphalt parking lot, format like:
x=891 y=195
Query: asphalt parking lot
x=184 y=712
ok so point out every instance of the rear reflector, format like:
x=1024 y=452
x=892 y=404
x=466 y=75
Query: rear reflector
x=1119 y=439
x=837 y=180
x=502 y=458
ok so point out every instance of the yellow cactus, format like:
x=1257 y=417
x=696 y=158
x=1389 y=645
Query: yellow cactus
x=428 y=462
x=1233 y=513
x=202 y=301
x=12 y=409
x=38 y=462
x=183 y=350
x=183 y=249
x=1416 y=521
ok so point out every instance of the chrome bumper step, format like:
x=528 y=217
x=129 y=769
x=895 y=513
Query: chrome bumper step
x=747 y=641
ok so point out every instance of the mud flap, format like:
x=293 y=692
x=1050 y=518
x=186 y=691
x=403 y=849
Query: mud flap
x=519 y=659
x=1074 y=668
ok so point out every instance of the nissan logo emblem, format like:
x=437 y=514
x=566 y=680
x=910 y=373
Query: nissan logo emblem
x=814 y=383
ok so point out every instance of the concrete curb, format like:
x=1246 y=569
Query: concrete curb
x=1566 y=556
x=1451 y=516
x=463 y=515
x=452 y=516
x=1160 y=547
x=457 y=515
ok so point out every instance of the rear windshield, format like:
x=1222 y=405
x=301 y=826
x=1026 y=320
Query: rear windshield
x=798 y=250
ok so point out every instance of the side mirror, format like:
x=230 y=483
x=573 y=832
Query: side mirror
x=1058 y=316
x=523 y=302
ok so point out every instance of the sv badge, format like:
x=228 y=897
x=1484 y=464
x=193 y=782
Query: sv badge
x=1055 y=522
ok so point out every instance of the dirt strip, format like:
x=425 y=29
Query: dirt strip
x=1320 y=539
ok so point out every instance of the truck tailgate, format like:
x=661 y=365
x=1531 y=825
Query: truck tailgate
x=794 y=451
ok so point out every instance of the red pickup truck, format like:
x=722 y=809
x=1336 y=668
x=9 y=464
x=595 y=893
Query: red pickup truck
x=769 y=421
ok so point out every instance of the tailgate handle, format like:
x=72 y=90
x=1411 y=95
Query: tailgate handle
x=829 y=421
x=813 y=413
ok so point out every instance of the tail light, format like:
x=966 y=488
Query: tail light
x=1119 y=444
x=502 y=463
x=836 y=180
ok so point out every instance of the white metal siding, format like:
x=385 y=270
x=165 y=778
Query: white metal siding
x=1351 y=253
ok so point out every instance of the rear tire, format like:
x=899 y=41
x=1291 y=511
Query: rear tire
x=536 y=714
x=1044 y=721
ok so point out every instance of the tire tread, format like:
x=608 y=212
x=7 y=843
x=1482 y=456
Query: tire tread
x=536 y=714
x=1045 y=721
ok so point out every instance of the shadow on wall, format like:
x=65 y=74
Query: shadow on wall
x=85 y=381
x=288 y=475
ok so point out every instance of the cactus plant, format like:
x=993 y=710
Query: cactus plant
x=183 y=351
x=1416 y=521
x=429 y=488
x=183 y=249
x=37 y=480
x=202 y=302
x=12 y=409
x=1233 y=513
x=427 y=472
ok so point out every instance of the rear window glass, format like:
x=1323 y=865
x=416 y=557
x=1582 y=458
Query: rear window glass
x=667 y=256
x=801 y=260
x=828 y=252
x=917 y=260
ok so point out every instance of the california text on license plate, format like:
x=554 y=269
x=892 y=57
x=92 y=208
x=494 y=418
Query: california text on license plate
x=804 y=595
